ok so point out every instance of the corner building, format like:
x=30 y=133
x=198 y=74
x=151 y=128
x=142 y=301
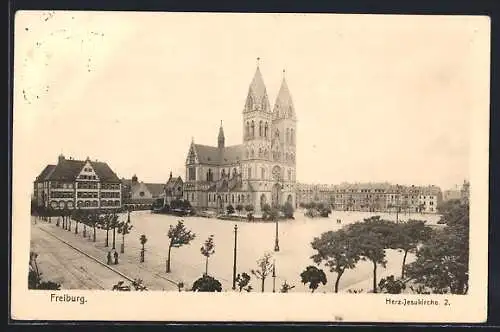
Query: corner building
x=259 y=171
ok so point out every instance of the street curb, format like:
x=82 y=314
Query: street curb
x=89 y=256
x=101 y=263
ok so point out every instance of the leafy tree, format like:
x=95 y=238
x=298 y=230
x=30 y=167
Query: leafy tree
x=273 y=214
x=249 y=208
x=288 y=210
x=442 y=263
x=124 y=228
x=242 y=280
x=313 y=276
x=407 y=236
x=239 y=208
x=391 y=285
x=230 y=209
x=265 y=266
x=207 y=283
x=93 y=220
x=143 y=239
x=337 y=250
x=285 y=287
x=178 y=236
x=207 y=250
x=35 y=276
x=266 y=211
x=371 y=240
x=120 y=286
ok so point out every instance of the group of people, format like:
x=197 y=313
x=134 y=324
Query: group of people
x=115 y=255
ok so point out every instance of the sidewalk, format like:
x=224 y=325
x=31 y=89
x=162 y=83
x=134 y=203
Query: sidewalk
x=129 y=263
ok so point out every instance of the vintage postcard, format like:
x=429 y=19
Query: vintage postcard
x=250 y=167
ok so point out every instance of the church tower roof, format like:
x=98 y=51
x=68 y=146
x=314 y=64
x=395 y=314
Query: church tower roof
x=257 y=98
x=221 y=138
x=283 y=107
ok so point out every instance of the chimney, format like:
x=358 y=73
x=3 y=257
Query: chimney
x=61 y=158
x=170 y=175
x=134 y=179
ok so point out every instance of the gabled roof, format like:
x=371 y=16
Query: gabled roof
x=155 y=188
x=172 y=182
x=68 y=170
x=212 y=155
x=46 y=172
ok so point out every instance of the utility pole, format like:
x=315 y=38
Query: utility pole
x=234 y=261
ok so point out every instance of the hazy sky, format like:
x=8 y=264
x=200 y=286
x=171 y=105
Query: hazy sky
x=378 y=98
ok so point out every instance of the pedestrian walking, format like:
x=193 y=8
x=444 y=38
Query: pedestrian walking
x=116 y=257
x=109 y=258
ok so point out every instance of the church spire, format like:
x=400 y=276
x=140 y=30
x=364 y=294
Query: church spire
x=283 y=107
x=257 y=95
x=221 y=138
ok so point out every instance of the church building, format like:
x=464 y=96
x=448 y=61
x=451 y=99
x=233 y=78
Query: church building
x=259 y=171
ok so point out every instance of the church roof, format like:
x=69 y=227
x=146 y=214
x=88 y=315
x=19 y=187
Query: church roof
x=212 y=155
x=283 y=107
x=257 y=93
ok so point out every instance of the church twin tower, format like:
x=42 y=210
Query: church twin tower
x=259 y=171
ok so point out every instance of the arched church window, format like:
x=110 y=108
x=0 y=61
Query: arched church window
x=247 y=130
x=252 y=153
x=252 y=129
x=293 y=136
x=265 y=130
x=287 y=137
x=248 y=154
x=234 y=171
x=260 y=152
x=260 y=129
x=263 y=173
x=223 y=173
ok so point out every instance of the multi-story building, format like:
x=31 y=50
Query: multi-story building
x=140 y=195
x=371 y=197
x=84 y=184
x=259 y=171
x=451 y=194
x=173 y=189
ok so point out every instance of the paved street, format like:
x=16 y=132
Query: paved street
x=254 y=239
x=62 y=263
x=73 y=270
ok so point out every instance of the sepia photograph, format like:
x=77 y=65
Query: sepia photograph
x=247 y=166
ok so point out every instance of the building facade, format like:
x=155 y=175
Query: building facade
x=140 y=195
x=173 y=189
x=372 y=197
x=259 y=171
x=81 y=184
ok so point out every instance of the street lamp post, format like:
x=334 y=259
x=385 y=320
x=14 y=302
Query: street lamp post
x=274 y=276
x=234 y=261
x=276 y=240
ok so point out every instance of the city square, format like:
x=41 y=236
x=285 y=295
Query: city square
x=253 y=240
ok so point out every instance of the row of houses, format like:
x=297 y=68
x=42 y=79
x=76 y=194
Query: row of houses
x=372 y=197
x=92 y=184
